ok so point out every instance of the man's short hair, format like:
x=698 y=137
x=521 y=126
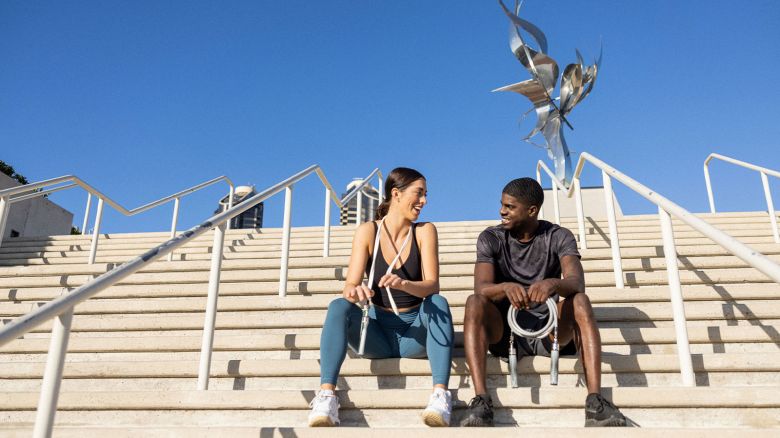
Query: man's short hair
x=525 y=190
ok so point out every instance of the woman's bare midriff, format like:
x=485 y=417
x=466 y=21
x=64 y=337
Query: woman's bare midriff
x=400 y=309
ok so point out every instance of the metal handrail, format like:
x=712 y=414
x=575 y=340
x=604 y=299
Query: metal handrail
x=62 y=308
x=764 y=181
x=19 y=193
x=666 y=209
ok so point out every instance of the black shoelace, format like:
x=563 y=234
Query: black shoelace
x=481 y=402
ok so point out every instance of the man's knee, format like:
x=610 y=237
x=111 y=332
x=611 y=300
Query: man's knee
x=582 y=307
x=475 y=307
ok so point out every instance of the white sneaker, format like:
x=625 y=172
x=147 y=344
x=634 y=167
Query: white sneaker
x=439 y=409
x=324 y=409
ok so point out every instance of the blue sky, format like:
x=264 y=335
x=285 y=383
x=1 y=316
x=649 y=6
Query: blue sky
x=143 y=98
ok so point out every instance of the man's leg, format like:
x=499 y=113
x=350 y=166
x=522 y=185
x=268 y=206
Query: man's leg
x=576 y=321
x=482 y=326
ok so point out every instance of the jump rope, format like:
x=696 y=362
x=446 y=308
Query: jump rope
x=550 y=326
x=368 y=304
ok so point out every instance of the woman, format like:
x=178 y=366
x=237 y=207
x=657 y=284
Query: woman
x=412 y=320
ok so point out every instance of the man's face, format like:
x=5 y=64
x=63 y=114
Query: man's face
x=514 y=213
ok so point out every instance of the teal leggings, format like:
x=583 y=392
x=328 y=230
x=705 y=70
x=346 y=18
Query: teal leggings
x=423 y=331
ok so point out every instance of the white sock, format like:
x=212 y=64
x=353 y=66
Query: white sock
x=439 y=390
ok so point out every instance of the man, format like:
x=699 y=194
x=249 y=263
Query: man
x=519 y=264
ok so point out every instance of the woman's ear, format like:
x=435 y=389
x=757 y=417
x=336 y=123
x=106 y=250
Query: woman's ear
x=395 y=193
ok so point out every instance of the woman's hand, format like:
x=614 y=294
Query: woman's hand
x=359 y=293
x=392 y=281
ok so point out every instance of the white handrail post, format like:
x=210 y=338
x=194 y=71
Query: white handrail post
x=770 y=206
x=5 y=206
x=326 y=227
x=173 y=224
x=617 y=263
x=678 y=308
x=52 y=376
x=708 y=183
x=580 y=214
x=86 y=214
x=211 y=308
x=380 y=187
x=359 y=208
x=555 y=203
x=285 y=241
x=539 y=180
x=230 y=202
x=96 y=231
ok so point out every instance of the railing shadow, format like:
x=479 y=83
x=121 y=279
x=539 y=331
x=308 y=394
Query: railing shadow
x=730 y=306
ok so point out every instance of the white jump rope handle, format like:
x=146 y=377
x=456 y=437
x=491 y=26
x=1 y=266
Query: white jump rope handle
x=550 y=326
x=366 y=305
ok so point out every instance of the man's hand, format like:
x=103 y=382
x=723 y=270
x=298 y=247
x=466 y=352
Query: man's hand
x=517 y=295
x=392 y=281
x=359 y=293
x=540 y=291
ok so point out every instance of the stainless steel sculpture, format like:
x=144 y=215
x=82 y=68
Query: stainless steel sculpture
x=576 y=83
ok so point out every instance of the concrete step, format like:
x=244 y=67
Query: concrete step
x=335 y=268
x=724 y=220
x=624 y=379
x=303 y=432
x=456 y=298
x=751 y=348
x=453 y=277
x=594 y=241
x=647 y=313
x=291 y=343
x=647 y=407
x=645 y=363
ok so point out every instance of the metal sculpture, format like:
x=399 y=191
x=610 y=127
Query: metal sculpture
x=576 y=83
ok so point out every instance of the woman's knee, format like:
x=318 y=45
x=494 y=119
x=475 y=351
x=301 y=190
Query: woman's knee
x=437 y=301
x=339 y=306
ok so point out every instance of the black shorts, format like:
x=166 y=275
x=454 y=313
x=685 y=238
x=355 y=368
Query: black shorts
x=524 y=346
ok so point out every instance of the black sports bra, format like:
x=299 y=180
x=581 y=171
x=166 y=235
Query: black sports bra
x=410 y=270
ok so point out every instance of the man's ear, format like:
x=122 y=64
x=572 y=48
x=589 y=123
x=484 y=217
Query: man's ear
x=533 y=210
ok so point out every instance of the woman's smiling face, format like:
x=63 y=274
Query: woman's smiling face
x=410 y=201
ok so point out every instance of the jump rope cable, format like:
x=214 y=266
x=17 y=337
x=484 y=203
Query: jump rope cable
x=365 y=306
x=550 y=326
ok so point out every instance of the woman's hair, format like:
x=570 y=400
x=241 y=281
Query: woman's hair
x=399 y=178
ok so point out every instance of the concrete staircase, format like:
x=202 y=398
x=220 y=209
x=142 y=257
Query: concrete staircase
x=132 y=361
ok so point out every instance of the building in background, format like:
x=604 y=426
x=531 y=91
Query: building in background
x=369 y=203
x=594 y=204
x=252 y=218
x=34 y=217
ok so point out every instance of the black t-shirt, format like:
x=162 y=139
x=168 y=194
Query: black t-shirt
x=526 y=262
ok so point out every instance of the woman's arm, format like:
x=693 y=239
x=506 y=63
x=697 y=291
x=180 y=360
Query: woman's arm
x=428 y=242
x=354 y=289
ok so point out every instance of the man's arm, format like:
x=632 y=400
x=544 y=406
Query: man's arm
x=484 y=284
x=573 y=281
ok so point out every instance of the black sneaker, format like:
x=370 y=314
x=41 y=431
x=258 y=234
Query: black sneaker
x=599 y=412
x=480 y=413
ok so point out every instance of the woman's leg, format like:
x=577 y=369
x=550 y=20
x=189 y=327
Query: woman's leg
x=432 y=333
x=342 y=325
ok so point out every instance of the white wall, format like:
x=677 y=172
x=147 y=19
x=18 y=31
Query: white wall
x=35 y=217
x=593 y=204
